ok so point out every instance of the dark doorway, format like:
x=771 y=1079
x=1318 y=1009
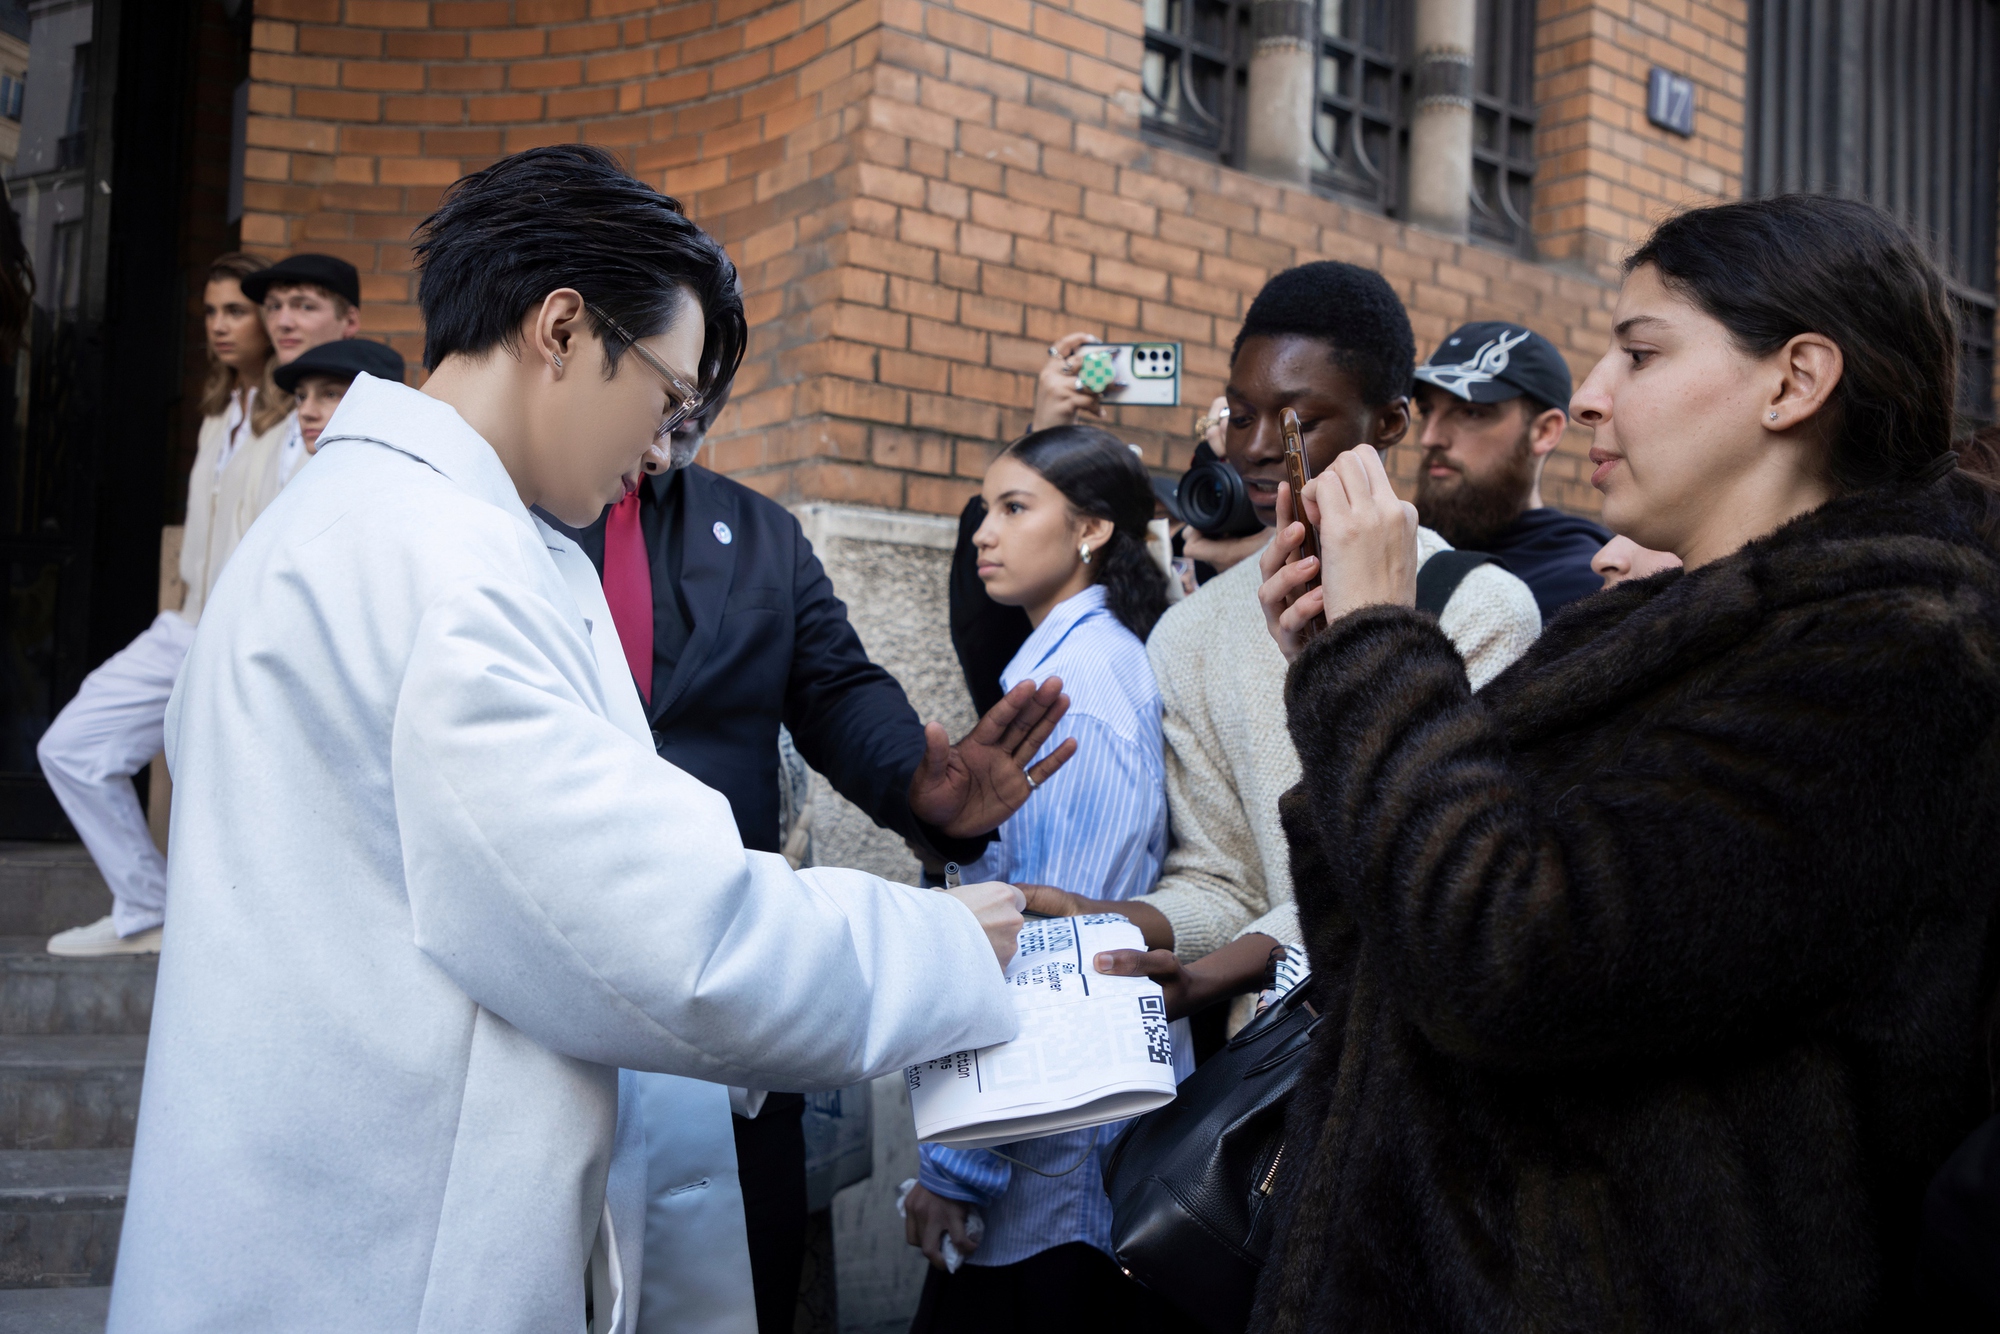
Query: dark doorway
x=89 y=416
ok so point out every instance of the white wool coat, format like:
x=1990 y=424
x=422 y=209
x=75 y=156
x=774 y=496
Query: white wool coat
x=431 y=888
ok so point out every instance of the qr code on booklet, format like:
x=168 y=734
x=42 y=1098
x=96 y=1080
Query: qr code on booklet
x=1153 y=1014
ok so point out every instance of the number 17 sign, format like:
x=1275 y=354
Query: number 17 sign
x=1670 y=101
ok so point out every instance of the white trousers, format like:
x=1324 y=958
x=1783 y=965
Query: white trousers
x=116 y=723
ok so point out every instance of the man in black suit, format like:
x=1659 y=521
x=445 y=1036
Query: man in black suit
x=731 y=628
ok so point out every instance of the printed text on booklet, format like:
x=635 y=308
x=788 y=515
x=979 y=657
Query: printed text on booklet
x=1091 y=1049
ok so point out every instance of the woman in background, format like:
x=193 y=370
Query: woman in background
x=1064 y=540
x=117 y=721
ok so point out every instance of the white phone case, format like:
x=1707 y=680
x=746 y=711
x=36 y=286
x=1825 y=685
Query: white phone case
x=1148 y=374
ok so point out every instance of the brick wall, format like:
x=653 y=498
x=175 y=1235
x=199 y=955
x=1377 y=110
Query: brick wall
x=1605 y=173
x=922 y=194
x=1003 y=196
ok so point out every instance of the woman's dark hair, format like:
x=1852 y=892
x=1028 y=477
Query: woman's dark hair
x=1771 y=269
x=569 y=216
x=1100 y=476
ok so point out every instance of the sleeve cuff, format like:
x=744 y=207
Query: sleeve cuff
x=933 y=1178
x=1203 y=921
x=1281 y=924
x=949 y=849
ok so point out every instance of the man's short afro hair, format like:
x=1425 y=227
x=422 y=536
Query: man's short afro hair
x=1353 y=311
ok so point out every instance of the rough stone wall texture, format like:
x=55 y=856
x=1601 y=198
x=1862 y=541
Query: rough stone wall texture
x=890 y=569
x=922 y=193
x=1605 y=174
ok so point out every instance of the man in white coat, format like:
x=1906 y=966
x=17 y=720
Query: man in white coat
x=432 y=885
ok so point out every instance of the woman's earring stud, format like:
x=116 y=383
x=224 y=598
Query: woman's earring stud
x=558 y=357
x=1084 y=551
x=1774 y=414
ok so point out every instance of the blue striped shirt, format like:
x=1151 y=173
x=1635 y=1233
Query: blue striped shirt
x=1097 y=828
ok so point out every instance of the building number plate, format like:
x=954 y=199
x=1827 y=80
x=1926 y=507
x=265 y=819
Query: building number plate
x=1670 y=101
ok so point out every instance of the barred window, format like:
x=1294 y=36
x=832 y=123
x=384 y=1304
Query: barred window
x=1361 y=85
x=1197 y=55
x=1891 y=101
x=1503 y=123
x=1196 y=66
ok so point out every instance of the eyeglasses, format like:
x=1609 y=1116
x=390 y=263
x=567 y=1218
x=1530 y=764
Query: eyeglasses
x=685 y=398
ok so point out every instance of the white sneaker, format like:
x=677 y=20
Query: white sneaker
x=101 y=938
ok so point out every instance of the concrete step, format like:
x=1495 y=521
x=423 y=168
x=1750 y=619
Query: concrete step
x=70 y=1091
x=60 y=1211
x=40 y=994
x=48 y=887
x=54 y=1311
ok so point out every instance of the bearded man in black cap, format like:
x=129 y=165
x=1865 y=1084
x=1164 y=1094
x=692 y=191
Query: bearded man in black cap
x=1494 y=399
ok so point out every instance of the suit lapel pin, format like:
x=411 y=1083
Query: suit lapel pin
x=722 y=533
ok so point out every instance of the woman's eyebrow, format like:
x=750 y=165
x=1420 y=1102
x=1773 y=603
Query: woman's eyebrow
x=1624 y=327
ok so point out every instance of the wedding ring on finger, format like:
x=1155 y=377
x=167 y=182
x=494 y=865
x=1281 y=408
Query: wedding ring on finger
x=1033 y=782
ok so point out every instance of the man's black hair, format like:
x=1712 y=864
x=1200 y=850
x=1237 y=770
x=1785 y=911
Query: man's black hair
x=569 y=216
x=1353 y=311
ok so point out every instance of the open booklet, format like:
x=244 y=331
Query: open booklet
x=1091 y=1048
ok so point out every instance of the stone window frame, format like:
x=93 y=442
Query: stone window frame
x=1183 y=37
x=1503 y=125
x=1361 y=90
x=1362 y=86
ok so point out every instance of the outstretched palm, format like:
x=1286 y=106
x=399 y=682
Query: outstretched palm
x=968 y=789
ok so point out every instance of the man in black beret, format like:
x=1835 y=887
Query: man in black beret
x=320 y=376
x=1495 y=399
x=308 y=300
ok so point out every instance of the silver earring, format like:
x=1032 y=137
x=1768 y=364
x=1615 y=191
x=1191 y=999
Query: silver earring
x=558 y=357
x=1084 y=551
x=1774 y=414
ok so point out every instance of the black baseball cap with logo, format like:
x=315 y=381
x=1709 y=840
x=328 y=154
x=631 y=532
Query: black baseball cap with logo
x=324 y=271
x=342 y=359
x=1493 y=361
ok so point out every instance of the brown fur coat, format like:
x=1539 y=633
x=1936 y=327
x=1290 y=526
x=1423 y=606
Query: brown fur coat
x=1656 y=969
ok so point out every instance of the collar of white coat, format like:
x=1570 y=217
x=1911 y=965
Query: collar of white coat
x=428 y=430
x=1064 y=617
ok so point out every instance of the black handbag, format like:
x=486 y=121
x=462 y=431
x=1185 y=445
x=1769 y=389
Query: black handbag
x=1191 y=1184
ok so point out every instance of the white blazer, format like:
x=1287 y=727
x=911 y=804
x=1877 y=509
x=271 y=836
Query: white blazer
x=431 y=887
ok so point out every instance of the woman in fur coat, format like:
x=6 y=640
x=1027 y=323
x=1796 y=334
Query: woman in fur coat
x=1657 y=971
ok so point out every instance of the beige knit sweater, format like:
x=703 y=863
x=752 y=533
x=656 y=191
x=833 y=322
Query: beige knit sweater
x=1229 y=757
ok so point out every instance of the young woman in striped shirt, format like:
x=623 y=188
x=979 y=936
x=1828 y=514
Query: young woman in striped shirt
x=1065 y=540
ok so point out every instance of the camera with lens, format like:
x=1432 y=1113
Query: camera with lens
x=1213 y=499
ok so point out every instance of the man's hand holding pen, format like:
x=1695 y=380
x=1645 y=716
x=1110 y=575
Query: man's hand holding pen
x=997 y=905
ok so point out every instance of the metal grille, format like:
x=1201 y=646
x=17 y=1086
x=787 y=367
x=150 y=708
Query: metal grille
x=1358 y=123
x=1503 y=123
x=1895 y=102
x=1197 y=56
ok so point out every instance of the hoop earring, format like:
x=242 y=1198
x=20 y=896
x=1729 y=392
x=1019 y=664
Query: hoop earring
x=1084 y=551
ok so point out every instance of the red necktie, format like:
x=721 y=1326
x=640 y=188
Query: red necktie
x=628 y=587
